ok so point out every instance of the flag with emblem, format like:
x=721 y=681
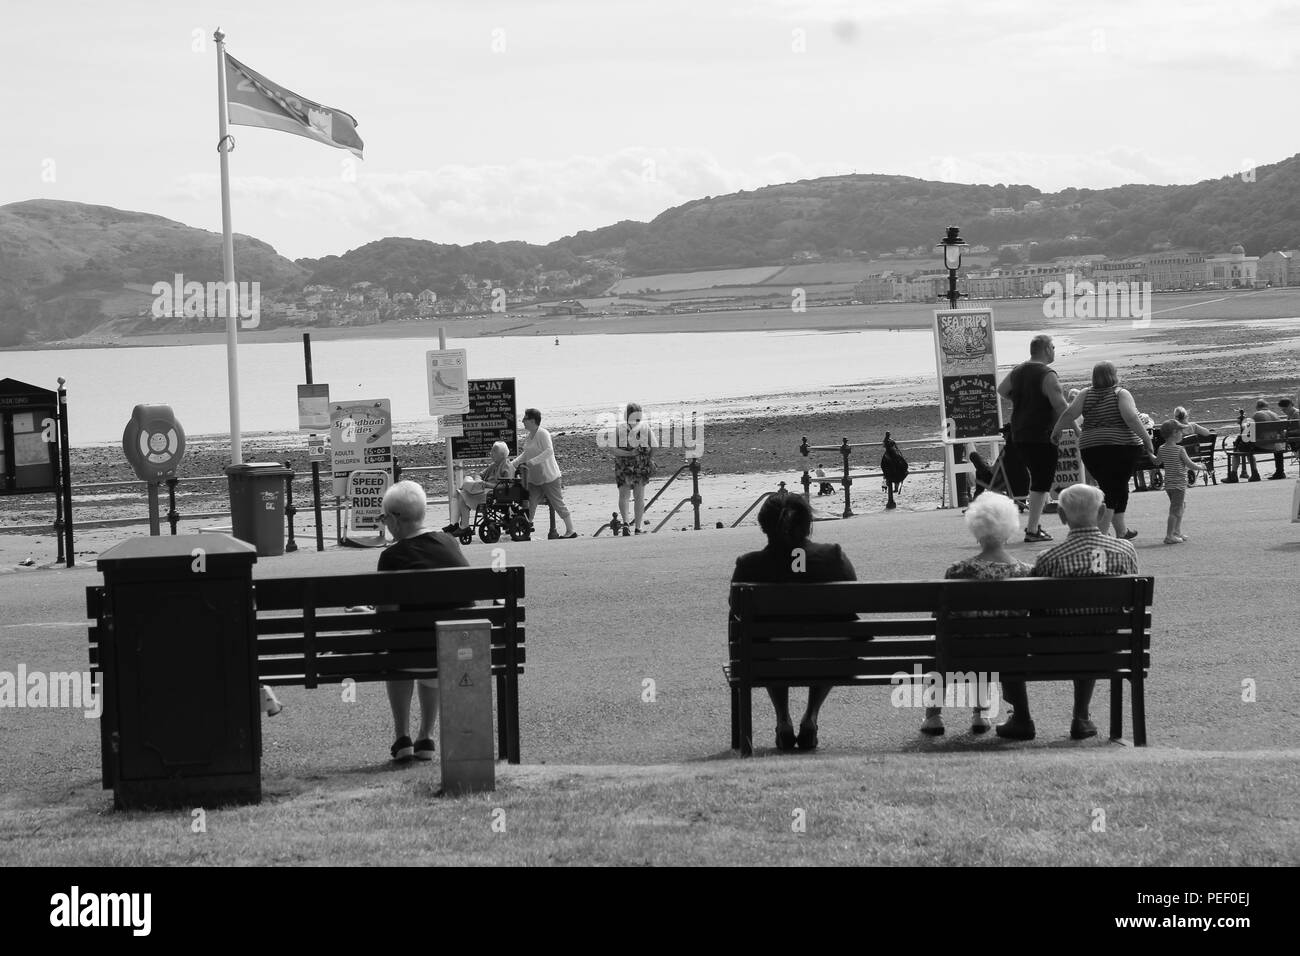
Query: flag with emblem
x=253 y=100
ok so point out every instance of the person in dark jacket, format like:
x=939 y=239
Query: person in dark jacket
x=414 y=547
x=789 y=557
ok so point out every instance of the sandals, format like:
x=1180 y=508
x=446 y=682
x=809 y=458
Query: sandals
x=1039 y=535
x=571 y=534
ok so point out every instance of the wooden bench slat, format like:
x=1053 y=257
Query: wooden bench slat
x=403 y=620
x=1109 y=661
x=848 y=597
x=358 y=641
x=974 y=646
x=500 y=654
x=780 y=649
x=834 y=670
x=861 y=630
x=1050 y=628
x=361 y=668
x=440 y=586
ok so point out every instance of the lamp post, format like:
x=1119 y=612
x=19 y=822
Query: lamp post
x=952 y=244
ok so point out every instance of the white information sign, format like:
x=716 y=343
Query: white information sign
x=366 y=493
x=448 y=374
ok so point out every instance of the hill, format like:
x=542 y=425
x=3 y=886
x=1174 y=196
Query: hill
x=65 y=267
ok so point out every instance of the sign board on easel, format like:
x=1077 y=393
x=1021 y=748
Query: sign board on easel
x=967 y=363
x=366 y=498
x=1069 y=463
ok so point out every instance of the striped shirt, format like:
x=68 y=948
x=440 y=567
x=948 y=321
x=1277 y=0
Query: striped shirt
x=1175 y=461
x=1102 y=422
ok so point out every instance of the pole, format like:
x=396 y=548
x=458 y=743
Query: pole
x=228 y=252
x=65 y=458
x=957 y=453
x=289 y=509
x=315 y=465
x=451 y=465
x=155 y=527
x=173 y=516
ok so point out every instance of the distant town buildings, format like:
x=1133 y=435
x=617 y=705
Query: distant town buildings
x=1166 y=271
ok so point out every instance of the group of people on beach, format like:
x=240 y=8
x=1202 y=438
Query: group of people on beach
x=632 y=446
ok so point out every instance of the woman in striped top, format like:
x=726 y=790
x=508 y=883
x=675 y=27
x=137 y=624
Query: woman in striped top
x=1111 y=441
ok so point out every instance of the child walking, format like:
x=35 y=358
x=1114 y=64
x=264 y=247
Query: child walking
x=1177 y=465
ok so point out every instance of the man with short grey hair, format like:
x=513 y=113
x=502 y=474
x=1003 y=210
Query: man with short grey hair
x=414 y=547
x=1086 y=552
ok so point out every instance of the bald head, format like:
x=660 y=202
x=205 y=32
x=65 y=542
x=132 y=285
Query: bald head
x=1041 y=347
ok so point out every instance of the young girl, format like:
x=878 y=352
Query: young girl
x=1178 y=466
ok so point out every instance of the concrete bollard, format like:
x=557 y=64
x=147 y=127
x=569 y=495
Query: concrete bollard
x=465 y=706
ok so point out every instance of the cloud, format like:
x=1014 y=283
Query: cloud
x=1050 y=172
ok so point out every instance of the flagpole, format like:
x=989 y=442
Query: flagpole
x=228 y=252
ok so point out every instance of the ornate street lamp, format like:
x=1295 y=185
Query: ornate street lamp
x=952 y=244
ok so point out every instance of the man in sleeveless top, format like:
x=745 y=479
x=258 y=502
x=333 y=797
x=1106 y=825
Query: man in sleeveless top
x=1036 y=403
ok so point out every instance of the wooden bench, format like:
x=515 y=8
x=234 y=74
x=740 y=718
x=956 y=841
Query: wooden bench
x=306 y=638
x=1252 y=441
x=780 y=636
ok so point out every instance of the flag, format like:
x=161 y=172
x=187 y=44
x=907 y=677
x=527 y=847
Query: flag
x=253 y=100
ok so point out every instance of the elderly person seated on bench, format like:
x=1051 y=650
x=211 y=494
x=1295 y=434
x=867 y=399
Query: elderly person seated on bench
x=1086 y=552
x=993 y=519
x=790 y=557
x=414 y=547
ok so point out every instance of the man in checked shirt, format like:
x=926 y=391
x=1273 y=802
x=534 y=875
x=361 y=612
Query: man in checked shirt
x=1086 y=552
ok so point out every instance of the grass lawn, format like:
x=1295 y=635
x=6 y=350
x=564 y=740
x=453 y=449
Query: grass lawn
x=1158 y=808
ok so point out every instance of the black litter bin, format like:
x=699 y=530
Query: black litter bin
x=176 y=634
x=257 y=504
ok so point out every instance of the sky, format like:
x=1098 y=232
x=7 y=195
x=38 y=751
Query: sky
x=534 y=119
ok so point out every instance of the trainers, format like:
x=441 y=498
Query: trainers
x=424 y=749
x=1130 y=534
x=1039 y=535
x=1173 y=539
x=1276 y=476
x=402 y=750
x=932 y=726
x=270 y=706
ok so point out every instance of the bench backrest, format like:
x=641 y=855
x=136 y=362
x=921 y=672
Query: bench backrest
x=779 y=631
x=1273 y=432
x=305 y=636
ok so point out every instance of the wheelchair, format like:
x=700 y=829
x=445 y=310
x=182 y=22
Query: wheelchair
x=505 y=511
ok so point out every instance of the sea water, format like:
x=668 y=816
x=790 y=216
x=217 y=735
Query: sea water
x=737 y=374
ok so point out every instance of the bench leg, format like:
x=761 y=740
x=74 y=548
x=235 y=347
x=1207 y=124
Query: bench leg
x=503 y=747
x=746 y=700
x=512 y=686
x=1116 y=708
x=1139 y=712
x=735 y=718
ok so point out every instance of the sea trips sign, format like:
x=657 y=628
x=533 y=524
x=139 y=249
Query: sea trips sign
x=491 y=418
x=968 y=364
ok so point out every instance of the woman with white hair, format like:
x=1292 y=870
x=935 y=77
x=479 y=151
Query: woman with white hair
x=993 y=520
x=473 y=491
